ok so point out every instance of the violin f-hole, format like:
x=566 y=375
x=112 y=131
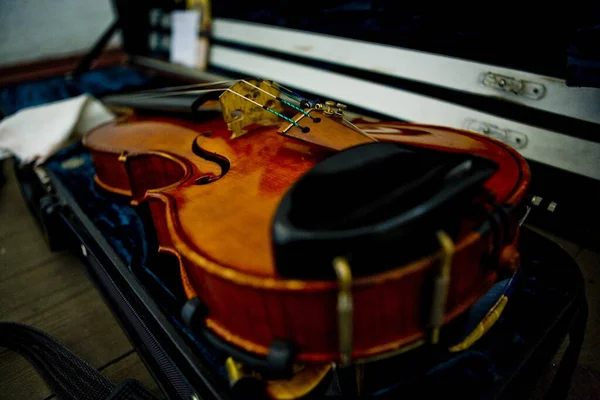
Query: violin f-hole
x=218 y=159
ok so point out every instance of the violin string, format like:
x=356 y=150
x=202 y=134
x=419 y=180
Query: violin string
x=291 y=121
x=295 y=107
x=177 y=89
x=290 y=93
x=356 y=128
x=156 y=95
x=151 y=93
x=165 y=92
x=196 y=85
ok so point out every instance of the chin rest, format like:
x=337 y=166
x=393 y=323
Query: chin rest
x=379 y=205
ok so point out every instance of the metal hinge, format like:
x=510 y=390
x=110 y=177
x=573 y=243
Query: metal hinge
x=514 y=139
x=513 y=85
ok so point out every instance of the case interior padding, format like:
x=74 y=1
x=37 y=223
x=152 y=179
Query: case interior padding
x=547 y=287
x=547 y=282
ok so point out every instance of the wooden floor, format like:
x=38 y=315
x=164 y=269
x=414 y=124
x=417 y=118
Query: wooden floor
x=51 y=292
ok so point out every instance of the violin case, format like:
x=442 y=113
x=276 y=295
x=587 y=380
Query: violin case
x=546 y=297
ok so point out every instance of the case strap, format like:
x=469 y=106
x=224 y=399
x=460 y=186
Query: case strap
x=67 y=375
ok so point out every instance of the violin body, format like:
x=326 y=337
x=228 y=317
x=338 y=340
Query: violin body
x=213 y=201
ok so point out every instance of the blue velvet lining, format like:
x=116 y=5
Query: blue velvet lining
x=96 y=82
x=118 y=222
x=123 y=228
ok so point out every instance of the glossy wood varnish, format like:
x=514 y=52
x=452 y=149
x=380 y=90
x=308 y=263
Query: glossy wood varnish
x=221 y=231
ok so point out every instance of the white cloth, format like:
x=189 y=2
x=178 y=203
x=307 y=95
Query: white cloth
x=35 y=133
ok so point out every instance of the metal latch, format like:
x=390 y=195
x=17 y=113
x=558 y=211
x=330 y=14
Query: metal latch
x=514 y=139
x=515 y=86
x=40 y=172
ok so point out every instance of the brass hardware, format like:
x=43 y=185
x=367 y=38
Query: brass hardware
x=329 y=109
x=333 y=109
x=441 y=284
x=344 y=308
x=340 y=109
x=482 y=327
x=303 y=381
x=122 y=157
x=234 y=370
x=237 y=371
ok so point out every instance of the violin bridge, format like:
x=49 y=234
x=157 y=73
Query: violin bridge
x=242 y=106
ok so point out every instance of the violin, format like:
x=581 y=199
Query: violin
x=320 y=238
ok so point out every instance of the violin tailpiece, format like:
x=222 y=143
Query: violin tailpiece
x=329 y=132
